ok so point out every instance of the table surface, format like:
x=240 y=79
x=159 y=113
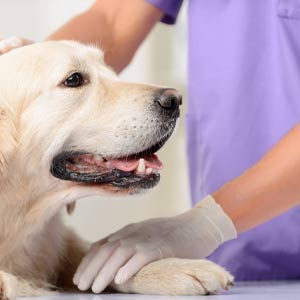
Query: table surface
x=283 y=290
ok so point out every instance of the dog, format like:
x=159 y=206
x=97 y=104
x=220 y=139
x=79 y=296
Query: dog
x=70 y=128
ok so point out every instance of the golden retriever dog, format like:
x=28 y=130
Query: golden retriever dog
x=69 y=128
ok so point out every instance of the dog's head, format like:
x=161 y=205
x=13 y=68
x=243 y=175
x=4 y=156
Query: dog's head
x=72 y=121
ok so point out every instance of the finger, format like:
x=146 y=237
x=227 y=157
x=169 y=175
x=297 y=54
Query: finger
x=86 y=259
x=11 y=43
x=95 y=264
x=111 y=267
x=136 y=263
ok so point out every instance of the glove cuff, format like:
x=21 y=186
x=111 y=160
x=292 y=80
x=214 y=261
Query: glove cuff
x=215 y=214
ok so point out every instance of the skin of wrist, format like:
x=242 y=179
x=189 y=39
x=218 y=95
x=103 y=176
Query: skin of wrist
x=227 y=196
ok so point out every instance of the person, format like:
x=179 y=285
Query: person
x=243 y=137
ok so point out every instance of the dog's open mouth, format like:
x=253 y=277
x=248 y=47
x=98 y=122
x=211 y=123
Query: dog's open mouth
x=138 y=170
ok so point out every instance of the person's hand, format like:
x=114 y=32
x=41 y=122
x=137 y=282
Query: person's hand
x=194 y=234
x=11 y=43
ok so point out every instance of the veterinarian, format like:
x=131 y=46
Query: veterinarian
x=244 y=104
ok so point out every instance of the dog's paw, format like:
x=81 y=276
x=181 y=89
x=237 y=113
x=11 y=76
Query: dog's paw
x=174 y=276
x=8 y=286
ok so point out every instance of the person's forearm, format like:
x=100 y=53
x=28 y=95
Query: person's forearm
x=267 y=189
x=116 y=26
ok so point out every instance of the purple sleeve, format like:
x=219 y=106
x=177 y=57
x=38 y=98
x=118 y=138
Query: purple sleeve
x=170 y=8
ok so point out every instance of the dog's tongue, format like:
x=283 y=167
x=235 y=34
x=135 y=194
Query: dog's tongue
x=131 y=163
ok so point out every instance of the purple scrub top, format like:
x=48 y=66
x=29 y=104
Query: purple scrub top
x=244 y=95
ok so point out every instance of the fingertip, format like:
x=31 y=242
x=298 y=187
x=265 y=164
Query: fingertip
x=83 y=285
x=95 y=291
x=11 y=43
x=3 y=49
x=121 y=277
x=96 y=288
x=15 y=41
x=75 y=279
x=118 y=279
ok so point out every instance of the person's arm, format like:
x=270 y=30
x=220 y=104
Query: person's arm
x=269 y=188
x=116 y=26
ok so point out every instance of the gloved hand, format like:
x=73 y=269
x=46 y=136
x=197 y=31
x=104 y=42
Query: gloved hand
x=11 y=43
x=194 y=234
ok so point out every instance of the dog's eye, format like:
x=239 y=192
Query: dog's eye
x=75 y=80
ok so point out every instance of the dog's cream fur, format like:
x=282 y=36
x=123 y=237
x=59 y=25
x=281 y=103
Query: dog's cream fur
x=39 y=117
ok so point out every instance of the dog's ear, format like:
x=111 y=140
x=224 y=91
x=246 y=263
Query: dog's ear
x=71 y=207
x=8 y=139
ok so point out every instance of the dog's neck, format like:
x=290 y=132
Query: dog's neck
x=32 y=204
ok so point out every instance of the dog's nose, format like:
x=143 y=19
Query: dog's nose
x=169 y=99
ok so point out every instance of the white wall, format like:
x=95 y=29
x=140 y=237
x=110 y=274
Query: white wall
x=161 y=60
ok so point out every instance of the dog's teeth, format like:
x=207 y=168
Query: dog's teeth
x=141 y=167
x=149 y=171
x=98 y=157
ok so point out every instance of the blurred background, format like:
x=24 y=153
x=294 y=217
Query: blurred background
x=160 y=60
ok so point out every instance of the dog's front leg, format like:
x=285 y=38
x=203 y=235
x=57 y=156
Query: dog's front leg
x=175 y=276
x=12 y=287
x=8 y=286
x=170 y=276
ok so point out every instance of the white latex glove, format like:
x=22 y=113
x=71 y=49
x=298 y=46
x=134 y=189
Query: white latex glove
x=11 y=43
x=194 y=234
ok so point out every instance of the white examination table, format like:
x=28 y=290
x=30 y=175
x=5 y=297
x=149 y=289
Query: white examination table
x=275 y=290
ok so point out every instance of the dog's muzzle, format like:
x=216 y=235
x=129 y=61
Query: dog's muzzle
x=134 y=171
